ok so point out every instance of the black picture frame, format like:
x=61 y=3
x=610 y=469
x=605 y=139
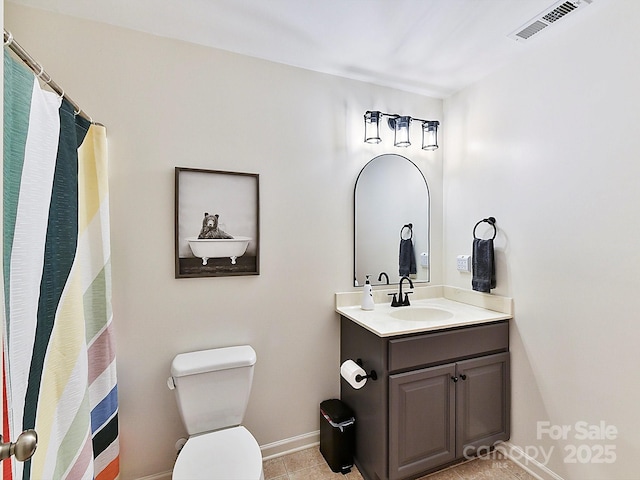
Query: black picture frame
x=232 y=201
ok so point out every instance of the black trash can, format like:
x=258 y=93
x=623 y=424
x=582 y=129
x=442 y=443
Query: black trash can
x=337 y=435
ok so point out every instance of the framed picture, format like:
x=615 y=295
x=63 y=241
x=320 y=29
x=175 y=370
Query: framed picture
x=217 y=228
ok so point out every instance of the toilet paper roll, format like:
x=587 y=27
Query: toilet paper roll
x=349 y=370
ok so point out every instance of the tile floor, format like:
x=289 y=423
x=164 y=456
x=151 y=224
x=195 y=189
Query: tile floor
x=309 y=464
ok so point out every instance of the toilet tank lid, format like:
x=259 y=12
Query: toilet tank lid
x=212 y=360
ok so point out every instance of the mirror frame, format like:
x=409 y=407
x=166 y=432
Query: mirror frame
x=374 y=281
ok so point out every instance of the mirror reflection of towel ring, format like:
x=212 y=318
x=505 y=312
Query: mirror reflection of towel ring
x=491 y=221
x=410 y=227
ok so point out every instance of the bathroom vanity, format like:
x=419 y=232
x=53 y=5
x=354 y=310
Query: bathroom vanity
x=442 y=392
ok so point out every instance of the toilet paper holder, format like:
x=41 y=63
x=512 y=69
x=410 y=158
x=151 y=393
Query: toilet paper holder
x=373 y=375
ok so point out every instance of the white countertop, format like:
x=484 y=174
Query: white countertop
x=468 y=308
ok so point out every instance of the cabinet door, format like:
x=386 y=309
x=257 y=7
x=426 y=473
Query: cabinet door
x=482 y=403
x=421 y=420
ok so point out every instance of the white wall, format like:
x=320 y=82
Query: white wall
x=549 y=146
x=166 y=104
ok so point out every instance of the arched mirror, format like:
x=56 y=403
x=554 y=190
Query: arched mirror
x=391 y=220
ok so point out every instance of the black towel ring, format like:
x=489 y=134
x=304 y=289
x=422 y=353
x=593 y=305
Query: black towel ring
x=491 y=221
x=410 y=227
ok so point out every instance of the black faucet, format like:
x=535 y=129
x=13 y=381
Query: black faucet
x=400 y=302
x=385 y=275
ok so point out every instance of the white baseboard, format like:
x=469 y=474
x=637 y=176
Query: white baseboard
x=526 y=462
x=269 y=451
x=158 y=476
x=311 y=439
x=290 y=445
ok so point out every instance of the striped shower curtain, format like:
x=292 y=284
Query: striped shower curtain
x=58 y=362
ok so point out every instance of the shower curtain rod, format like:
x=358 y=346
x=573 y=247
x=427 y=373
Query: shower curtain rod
x=15 y=47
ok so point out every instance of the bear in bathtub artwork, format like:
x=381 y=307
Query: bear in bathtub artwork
x=213 y=242
x=217 y=223
x=210 y=228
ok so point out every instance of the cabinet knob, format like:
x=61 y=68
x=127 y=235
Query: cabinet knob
x=463 y=376
x=455 y=379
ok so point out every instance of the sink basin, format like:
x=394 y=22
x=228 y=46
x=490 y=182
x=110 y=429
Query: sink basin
x=421 y=314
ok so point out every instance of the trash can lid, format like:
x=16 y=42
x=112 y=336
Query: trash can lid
x=336 y=410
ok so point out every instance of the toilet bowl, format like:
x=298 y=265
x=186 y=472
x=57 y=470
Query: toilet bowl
x=227 y=454
x=212 y=392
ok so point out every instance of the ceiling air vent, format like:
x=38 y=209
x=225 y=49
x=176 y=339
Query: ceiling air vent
x=546 y=18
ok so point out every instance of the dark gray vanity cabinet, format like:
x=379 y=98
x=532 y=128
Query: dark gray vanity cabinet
x=421 y=420
x=439 y=397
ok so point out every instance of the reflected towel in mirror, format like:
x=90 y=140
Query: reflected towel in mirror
x=407 y=258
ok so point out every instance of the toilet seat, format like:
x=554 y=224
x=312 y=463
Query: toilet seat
x=229 y=454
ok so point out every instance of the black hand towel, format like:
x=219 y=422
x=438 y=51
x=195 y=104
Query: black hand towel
x=407 y=258
x=483 y=266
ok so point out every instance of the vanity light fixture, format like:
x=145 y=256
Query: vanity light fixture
x=400 y=126
x=372 y=127
x=401 y=131
x=430 y=135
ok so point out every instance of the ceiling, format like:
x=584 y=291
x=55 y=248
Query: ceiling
x=431 y=47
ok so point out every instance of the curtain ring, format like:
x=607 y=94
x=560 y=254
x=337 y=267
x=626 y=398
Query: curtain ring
x=42 y=74
x=491 y=221
x=86 y=114
x=9 y=39
x=62 y=94
x=79 y=111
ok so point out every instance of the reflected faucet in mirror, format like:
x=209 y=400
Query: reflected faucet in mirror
x=385 y=275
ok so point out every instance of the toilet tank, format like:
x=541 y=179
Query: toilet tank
x=212 y=387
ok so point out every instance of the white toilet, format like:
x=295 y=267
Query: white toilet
x=212 y=390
